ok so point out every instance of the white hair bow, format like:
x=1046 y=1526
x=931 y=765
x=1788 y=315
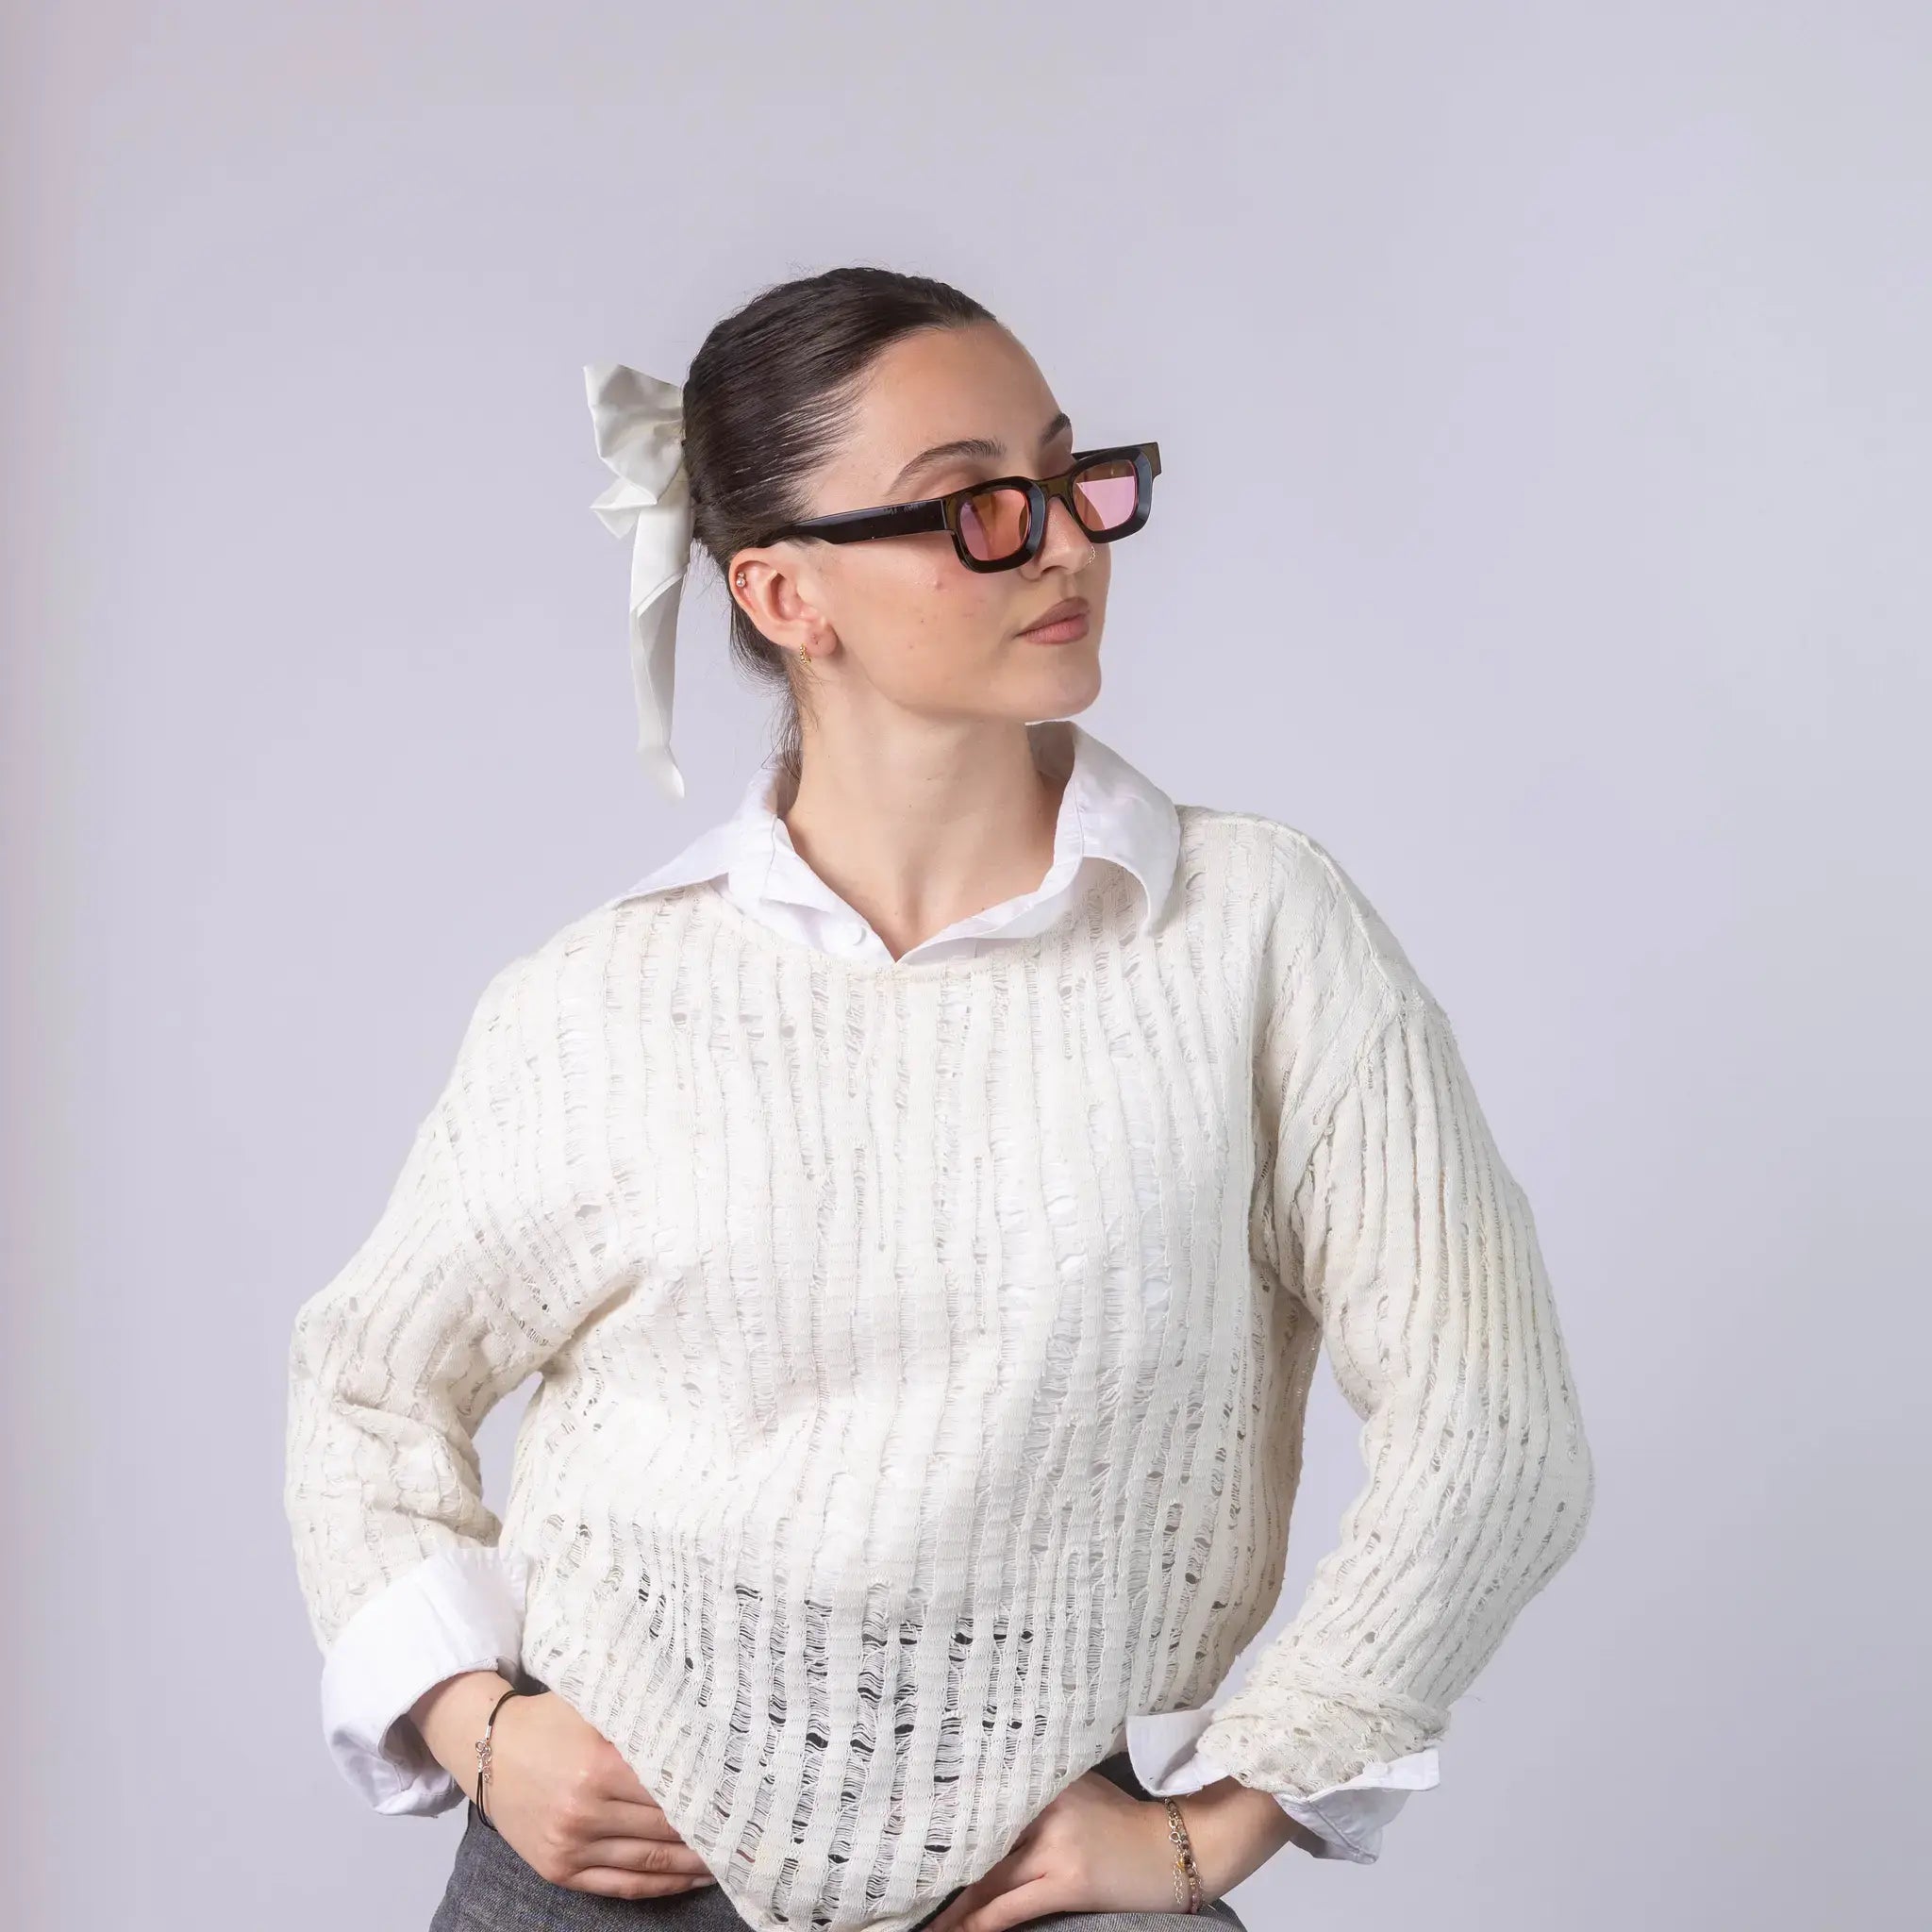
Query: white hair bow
x=639 y=427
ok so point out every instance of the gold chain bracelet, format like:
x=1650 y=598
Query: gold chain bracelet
x=1187 y=1874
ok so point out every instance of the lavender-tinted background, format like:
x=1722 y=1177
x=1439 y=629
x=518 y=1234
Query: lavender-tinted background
x=1580 y=607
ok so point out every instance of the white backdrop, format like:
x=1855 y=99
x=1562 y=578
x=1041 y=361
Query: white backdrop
x=1543 y=392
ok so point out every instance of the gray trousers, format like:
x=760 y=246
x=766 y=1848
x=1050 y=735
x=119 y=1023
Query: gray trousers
x=492 y=1890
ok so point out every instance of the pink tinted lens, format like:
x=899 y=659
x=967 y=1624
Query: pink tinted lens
x=1107 y=494
x=994 y=523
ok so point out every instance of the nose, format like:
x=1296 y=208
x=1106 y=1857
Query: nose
x=1066 y=545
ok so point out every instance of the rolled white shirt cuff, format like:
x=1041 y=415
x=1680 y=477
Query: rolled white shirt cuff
x=462 y=1609
x=1347 y=1816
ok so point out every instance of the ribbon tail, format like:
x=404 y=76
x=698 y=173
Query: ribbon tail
x=661 y=769
x=654 y=678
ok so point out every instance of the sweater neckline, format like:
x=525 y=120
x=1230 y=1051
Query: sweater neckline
x=1004 y=953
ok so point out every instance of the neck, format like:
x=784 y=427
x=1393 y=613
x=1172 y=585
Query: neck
x=928 y=824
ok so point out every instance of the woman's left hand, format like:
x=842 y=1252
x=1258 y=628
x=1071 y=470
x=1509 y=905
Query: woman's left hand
x=1094 y=1849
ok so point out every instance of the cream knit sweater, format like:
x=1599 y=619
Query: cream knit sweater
x=924 y=1351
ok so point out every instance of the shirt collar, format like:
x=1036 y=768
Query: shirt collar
x=1109 y=810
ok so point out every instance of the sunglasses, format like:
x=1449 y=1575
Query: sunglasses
x=1001 y=525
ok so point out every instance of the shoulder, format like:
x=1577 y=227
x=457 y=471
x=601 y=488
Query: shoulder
x=1308 y=907
x=553 y=999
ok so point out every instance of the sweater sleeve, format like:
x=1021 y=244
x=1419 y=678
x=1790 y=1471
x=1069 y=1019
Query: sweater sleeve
x=490 y=1252
x=1406 y=1239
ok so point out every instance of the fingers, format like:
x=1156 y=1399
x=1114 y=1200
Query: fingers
x=636 y=1868
x=671 y=1858
x=967 y=1907
x=610 y=1802
x=614 y=1776
x=979 y=1910
x=608 y=1882
x=602 y=1817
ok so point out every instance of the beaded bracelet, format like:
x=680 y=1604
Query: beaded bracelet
x=486 y=1750
x=1187 y=1874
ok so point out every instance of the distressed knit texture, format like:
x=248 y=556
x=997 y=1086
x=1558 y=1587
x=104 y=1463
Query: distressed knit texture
x=923 y=1352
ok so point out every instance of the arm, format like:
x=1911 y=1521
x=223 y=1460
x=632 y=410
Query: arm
x=483 y=1262
x=1405 y=1237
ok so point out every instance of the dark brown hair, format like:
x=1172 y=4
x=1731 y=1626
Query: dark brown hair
x=770 y=391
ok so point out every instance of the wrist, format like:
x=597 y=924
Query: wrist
x=450 y=1715
x=1235 y=1830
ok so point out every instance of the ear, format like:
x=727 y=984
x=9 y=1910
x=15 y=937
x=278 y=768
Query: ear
x=778 y=591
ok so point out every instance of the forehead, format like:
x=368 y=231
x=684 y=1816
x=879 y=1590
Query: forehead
x=936 y=387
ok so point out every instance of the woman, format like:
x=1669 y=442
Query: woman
x=923 y=1201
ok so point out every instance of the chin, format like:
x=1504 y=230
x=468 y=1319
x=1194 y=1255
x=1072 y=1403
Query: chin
x=1069 y=679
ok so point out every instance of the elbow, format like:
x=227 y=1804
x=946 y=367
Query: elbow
x=1561 y=1477
x=1570 y=1466
x=1540 y=1475
x=1573 y=1471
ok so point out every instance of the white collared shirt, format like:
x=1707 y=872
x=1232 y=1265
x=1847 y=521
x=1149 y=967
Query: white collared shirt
x=1108 y=814
x=463 y=1609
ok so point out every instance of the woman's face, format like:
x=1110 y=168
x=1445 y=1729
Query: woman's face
x=901 y=616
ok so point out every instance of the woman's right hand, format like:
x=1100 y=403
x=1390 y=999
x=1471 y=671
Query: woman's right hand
x=561 y=1794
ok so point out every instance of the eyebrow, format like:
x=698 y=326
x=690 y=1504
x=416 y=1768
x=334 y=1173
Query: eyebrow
x=971 y=446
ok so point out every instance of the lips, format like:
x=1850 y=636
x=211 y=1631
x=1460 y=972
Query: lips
x=1067 y=606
